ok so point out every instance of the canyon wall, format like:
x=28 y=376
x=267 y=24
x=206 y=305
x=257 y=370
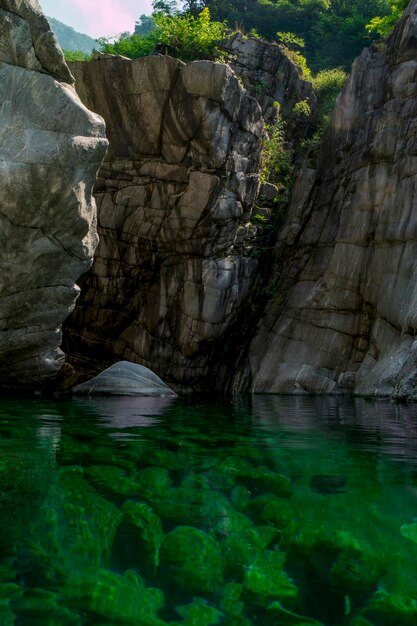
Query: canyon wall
x=177 y=271
x=50 y=149
x=344 y=313
x=174 y=197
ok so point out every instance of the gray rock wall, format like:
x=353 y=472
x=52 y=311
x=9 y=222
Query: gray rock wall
x=344 y=317
x=50 y=149
x=272 y=78
x=175 y=193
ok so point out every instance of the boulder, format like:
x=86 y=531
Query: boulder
x=124 y=379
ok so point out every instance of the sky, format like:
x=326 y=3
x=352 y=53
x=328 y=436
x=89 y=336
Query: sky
x=97 y=18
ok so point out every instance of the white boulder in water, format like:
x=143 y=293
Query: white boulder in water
x=124 y=379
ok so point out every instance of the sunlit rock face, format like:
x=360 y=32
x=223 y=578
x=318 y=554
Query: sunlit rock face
x=273 y=80
x=174 y=196
x=345 y=315
x=50 y=149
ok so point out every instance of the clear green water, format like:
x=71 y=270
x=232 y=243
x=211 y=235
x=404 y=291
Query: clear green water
x=262 y=511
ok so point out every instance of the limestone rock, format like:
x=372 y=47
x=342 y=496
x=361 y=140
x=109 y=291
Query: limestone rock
x=51 y=147
x=345 y=314
x=170 y=275
x=272 y=79
x=124 y=379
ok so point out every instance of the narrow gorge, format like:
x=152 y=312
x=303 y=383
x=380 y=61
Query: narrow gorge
x=186 y=279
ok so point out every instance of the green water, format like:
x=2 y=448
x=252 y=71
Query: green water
x=262 y=511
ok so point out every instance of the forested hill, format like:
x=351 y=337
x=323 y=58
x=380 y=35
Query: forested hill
x=70 y=39
x=334 y=31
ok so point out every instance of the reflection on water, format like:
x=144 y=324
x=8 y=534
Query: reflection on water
x=260 y=511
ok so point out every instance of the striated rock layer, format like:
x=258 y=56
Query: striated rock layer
x=345 y=314
x=50 y=149
x=172 y=271
x=274 y=80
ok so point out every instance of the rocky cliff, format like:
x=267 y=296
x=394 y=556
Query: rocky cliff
x=272 y=78
x=50 y=149
x=344 y=314
x=173 y=268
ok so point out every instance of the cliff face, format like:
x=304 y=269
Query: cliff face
x=344 y=317
x=174 y=196
x=272 y=78
x=51 y=147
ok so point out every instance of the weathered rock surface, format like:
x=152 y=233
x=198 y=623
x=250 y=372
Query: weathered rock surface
x=124 y=379
x=272 y=78
x=174 y=195
x=345 y=315
x=50 y=149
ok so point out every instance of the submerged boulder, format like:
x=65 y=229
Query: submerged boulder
x=124 y=379
x=51 y=147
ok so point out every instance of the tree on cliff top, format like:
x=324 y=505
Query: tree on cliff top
x=384 y=25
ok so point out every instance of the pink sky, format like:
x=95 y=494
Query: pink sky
x=97 y=18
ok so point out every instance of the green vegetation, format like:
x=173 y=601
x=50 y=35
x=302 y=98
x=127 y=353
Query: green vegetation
x=334 y=31
x=277 y=156
x=186 y=36
x=327 y=85
x=76 y=55
x=384 y=25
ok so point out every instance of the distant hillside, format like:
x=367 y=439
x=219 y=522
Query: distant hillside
x=69 y=39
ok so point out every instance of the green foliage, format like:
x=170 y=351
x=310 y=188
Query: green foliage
x=328 y=84
x=187 y=37
x=76 y=55
x=291 y=43
x=276 y=161
x=302 y=108
x=334 y=31
x=132 y=46
x=291 y=39
x=384 y=25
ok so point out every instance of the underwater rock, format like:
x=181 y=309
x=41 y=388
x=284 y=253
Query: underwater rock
x=110 y=596
x=149 y=533
x=327 y=484
x=386 y=608
x=124 y=379
x=153 y=482
x=241 y=548
x=111 y=479
x=409 y=531
x=230 y=600
x=266 y=579
x=76 y=525
x=271 y=510
x=199 y=613
x=192 y=560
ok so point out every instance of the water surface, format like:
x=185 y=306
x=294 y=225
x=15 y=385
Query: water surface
x=260 y=511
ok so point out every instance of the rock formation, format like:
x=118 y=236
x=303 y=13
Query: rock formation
x=272 y=78
x=50 y=149
x=174 y=195
x=124 y=379
x=344 y=317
